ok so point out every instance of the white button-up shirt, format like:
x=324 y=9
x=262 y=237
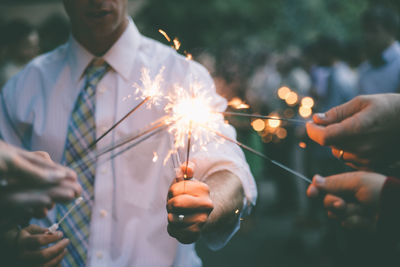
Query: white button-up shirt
x=129 y=218
x=382 y=79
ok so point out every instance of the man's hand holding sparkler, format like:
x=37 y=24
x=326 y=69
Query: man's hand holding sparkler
x=189 y=206
x=210 y=209
x=362 y=132
x=28 y=247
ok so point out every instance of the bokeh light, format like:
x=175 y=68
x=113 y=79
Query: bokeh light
x=258 y=125
x=292 y=98
x=305 y=112
x=281 y=133
x=307 y=102
x=283 y=92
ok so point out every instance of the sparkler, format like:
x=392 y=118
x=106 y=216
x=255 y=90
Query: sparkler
x=301 y=176
x=150 y=94
x=191 y=109
x=262 y=117
x=52 y=229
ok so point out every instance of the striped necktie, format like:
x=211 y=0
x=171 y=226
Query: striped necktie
x=81 y=134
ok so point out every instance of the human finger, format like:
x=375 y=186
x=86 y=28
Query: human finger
x=186 y=171
x=31 y=199
x=312 y=191
x=349 y=157
x=332 y=202
x=339 y=113
x=186 y=235
x=192 y=187
x=341 y=184
x=333 y=134
x=64 y=193
x=189 y=203
x=36 y=241
x=24 y=173
x=188 y=219
x=56 y=261
x=47 y=254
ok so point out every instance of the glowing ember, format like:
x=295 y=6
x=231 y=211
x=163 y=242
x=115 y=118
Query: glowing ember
x=283 y=92
x=305 y=112
x=155 y=157
x=307 y=102
x=302 y=145
x=191 y=110
x=150 y=88
x=291 y=98
x=165 y=35
x=188 y=56
x=177 y=44
x=238 y=103
x=258 y=125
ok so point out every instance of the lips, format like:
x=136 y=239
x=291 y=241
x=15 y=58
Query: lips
x=98 y=13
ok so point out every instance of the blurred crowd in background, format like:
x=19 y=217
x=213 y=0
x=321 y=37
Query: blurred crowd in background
x=265 y=60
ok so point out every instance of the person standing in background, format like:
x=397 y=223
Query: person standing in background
x=381 y=72
x=21 y=45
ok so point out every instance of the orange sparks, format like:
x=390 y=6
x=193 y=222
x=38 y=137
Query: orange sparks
x=165 y=35
x=177 y=44
x=238 y=103
x=150 y=88
x=302 y=145
x=188 y=56
x=155 y=157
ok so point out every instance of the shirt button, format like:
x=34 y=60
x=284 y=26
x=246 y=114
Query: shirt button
x=99 y=255
x=103 y=213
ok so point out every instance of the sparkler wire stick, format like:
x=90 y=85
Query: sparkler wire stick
x=261 y=117
x=54 y=227
x=120 y=121
x=188 y=150
x=141 y=136
x=153 y=126
x=301 y=176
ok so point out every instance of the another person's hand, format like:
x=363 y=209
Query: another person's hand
x=35 y=246
x=351 y=198
x=31 y=182
x=189 y=206
x=366 y=128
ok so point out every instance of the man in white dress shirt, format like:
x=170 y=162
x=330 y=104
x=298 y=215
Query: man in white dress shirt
x=129 y=224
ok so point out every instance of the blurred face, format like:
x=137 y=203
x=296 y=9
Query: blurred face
x=96 y=17
x=376 y=39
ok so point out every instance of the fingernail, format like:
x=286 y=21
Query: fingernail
x=312 y=192
x=319 y=180
x=321 y=116
x=59 y=234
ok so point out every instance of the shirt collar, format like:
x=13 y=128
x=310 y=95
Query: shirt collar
x=120 y=56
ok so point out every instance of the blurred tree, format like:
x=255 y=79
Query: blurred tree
x=215 y=24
